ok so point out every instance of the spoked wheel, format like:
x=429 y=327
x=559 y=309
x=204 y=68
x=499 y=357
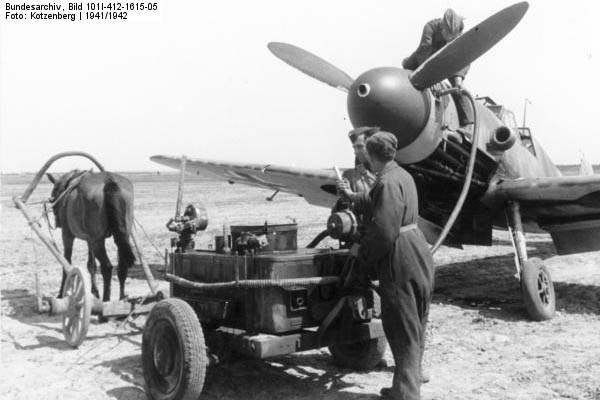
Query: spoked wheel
x=174 y=355
x=78 y=296
x=363 y=355
x=538 y=290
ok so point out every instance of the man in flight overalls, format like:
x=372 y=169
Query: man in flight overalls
x=395 y=248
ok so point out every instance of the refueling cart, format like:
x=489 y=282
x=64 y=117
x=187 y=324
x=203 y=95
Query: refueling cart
x=257 y=294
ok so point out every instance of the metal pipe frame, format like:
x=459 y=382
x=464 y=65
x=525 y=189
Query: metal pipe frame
x=38 y=177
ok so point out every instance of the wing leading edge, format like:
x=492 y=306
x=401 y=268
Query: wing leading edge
x=317 y=186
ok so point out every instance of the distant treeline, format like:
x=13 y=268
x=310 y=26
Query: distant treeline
x=573 y=169
x=168 y=176
x=136 y=176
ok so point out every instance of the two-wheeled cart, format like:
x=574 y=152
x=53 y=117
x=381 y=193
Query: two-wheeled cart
x=78 y=304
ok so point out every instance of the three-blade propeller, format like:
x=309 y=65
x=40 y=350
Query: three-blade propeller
x=451 y=58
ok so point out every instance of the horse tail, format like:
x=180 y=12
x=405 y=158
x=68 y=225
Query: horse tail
x=118 y=211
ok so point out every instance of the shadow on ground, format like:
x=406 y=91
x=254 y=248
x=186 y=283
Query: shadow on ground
x=127 y=393
x=489 y=286
x=301 y=375
x=18 y=302
x=129 y=369
x=21 y=305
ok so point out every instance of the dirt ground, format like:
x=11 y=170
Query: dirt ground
x=481 y=344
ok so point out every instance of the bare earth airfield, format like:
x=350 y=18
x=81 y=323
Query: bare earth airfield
x=481 y=344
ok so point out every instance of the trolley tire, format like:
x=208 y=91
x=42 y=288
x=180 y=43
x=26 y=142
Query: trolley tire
x=174 y=357
x=537 y=290
x=363 y=355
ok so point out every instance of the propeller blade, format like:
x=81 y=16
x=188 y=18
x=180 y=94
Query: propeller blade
x=468 y=47
x=311 y=65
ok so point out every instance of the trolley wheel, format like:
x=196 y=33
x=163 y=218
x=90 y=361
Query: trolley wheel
x=537 y=290
x=78 y=295
x=174 y=355
x=363 y=355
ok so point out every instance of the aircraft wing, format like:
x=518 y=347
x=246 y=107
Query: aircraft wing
x=583 y=190
x=317 y=186
x=566 y=206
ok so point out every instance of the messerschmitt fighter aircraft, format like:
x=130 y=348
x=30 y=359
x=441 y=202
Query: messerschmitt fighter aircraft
x=469 y=180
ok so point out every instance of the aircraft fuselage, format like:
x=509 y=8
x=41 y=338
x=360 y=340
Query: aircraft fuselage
x=430 y=148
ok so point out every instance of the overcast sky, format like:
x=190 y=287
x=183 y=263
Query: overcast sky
x=196 y=78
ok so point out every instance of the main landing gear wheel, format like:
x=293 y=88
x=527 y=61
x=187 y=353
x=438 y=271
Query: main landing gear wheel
x=174 y=355
x=537 y=290
x=78 y=298
x=363 y=355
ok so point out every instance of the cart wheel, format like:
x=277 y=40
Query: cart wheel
x=537 y=290
x=364 y=355
x=78 y=293
x=174 y=355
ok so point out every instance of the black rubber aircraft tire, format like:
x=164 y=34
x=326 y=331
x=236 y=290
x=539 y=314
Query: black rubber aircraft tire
x=362 y=356
x=174 y=357
x=537 y=290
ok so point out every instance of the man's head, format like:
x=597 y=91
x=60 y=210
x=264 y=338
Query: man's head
x=381 y=148
x=359 y=137
x=453 y=25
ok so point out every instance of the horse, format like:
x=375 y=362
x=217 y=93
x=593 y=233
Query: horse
x=92 y=206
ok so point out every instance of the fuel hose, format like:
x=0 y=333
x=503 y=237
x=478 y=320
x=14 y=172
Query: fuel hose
x=468 y=176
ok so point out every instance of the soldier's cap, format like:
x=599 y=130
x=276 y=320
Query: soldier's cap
x=453 y=21
x=382 y=145
x=368 y=131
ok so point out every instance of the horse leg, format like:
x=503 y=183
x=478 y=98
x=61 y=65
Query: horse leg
x=91 y=266
x=122 y=270
x=67 y=238
x=118 y=201
x=105 y=268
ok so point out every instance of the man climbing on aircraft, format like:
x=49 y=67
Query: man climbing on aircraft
x=436 y=34
x=396 y=249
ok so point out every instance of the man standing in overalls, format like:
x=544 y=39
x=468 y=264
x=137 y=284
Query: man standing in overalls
x=395 y=248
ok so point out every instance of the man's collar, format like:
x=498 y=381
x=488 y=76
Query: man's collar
x=388 y=167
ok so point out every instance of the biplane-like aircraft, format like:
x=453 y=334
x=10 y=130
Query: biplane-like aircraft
x=469 y=180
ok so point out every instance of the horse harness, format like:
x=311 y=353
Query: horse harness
x=72 y=184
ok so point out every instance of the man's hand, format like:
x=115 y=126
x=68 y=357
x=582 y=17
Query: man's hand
x=457 y=81
x=174 y=226
x=354 y=250
x=343 y=188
